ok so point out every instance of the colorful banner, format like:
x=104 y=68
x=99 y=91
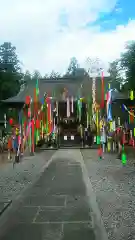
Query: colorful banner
x=108 y=105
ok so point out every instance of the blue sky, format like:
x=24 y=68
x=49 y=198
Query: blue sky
x=119 y=15
x=48 y=33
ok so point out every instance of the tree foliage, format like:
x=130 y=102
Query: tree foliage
x=73 y=66
x=26 y=77
x=74 y=70
x=54 y=74
x=114 y=71
x=8 y=58
x=127 y=62
x=10 y=71
x=36 y=75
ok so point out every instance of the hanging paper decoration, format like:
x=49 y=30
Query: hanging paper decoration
x=79 y=109
x=131 y=113
x=108 y=105
x=27 y=100
x=102 y=90
x=37 y=88
x=133 y=143
x=97 y=120
x=123 y=108
x=17 y=131
x=98 y=140
x=114 y=126
x=35 y=103
x=131 y=95
x=131 y=116
x=48 y=114
x=87 y=113
x=109 y=146
x=37 y=124
x=89 y=109
x=33 y=145
x=68 y=107
x=94 y=96
x=29 y=112
x=57 y=109
x=118 y=121
x=72 y=107
x=11 y=121
x=42 y=101
x=134 y=132
x=5 y=120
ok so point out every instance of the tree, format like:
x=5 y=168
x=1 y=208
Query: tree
x=54 y=74
x=128 y=64
x=114 y=71
x=8 y=58
x=73 y=66
x=26 y=77
x=36 y=75
x=46 y=76
x=10 y=71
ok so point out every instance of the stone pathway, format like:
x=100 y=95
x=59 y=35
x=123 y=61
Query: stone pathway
x=114 y=186
x=56 y=207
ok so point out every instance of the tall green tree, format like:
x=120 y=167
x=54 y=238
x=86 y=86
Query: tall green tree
x=114 y=71
x=73 y=66
x=128 y=64
x=10 y=71
x=74 y=70
x=8 y=58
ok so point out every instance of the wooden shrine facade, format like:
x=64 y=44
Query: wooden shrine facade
x=59 y=90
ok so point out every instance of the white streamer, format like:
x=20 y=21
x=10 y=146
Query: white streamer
x=72 y=109
x=68 y=108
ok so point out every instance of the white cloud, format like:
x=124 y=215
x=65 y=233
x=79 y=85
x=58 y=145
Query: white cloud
x=42 y=42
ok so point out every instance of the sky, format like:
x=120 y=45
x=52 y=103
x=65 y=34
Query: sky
x=47 y=33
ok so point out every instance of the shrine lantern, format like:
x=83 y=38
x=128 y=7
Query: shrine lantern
x=27 y=100
x=11 y=121
x=37 y=124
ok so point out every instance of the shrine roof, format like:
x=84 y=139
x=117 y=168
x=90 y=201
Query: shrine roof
x=55 y=88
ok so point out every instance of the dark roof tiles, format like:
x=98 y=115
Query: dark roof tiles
x=55 y=87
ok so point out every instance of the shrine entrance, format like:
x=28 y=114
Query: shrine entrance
x=68 y=126
x=68 y=133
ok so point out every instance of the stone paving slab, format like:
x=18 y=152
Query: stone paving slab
x=38 y=190
x=56 y=207
x=81 y=231
x=42 y=200
x=34 y=232
x=61 y=190
x=76 y=201
x=25 y=215
x=67 y=214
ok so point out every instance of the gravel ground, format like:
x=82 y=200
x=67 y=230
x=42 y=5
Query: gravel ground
x=114 y=186
x=13 y=181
